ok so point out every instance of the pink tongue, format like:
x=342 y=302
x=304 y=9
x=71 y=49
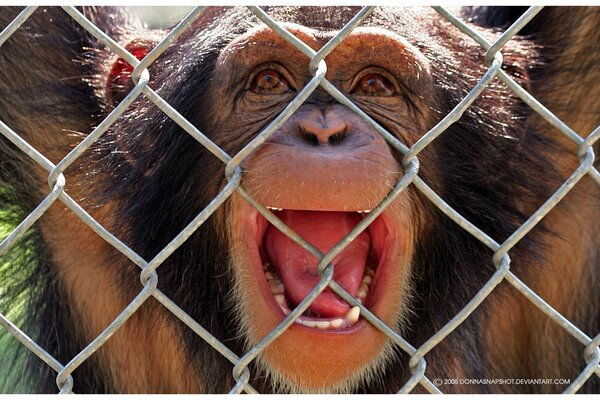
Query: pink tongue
x=298 y=268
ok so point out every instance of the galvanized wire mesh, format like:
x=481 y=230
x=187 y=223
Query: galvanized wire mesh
x=318 y=67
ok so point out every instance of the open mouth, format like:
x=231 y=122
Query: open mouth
x=286 y=273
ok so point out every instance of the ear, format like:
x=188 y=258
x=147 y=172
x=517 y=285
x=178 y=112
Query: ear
x=119 y=82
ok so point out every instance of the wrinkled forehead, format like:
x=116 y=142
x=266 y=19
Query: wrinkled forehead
x=378 y=44
x=263 y=38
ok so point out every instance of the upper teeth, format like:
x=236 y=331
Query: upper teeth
x=364 y=211
x=274 y=208
x=351 y=317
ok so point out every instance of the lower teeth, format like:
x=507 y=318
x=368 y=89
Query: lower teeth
x=351 y=317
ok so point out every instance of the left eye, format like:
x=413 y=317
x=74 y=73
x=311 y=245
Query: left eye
x=270 y=82
x=374 y=85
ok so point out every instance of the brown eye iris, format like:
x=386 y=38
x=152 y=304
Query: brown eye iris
x=270 y=82
x=374 y=85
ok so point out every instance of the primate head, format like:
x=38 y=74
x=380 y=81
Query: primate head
x=321 y=171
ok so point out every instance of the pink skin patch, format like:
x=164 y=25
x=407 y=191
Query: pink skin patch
x=122 y=70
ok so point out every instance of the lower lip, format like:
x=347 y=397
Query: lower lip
x=343 y=331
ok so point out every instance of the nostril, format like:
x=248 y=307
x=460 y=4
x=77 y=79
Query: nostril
x=309 y=137
x=328 y=127
x=337 y=138
x=316 y=139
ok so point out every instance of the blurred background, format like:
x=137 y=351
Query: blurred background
x=161 y=17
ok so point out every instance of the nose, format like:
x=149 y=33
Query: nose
x=321 y=127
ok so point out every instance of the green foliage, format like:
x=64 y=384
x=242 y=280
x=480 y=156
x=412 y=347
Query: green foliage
x=15 y=268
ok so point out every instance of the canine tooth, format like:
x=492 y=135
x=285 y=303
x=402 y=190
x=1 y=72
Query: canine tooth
x=284 y=308
x=323 y=324
x=280 y=299
x=353 y=315
x=337 y=323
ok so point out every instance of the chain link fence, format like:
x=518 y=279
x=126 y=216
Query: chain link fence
x=318 y=67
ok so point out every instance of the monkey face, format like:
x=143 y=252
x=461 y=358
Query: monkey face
x=321 y=173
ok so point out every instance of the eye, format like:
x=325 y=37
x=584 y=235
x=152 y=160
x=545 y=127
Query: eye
x=270 y=82
x=374 y=85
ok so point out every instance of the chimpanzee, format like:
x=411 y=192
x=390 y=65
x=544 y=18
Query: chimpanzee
x=321 y=173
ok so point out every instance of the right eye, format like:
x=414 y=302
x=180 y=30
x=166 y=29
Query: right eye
x=374 y=85
x=270 y=82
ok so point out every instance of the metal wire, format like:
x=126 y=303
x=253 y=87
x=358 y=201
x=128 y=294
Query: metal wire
x=317 y=67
